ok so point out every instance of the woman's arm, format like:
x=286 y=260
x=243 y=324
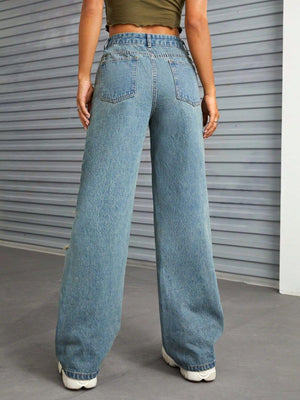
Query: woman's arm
x=89 y=31
x=198 y=37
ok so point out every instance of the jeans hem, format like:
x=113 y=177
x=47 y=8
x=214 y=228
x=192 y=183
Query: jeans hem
x=80 y=375
x=200 y=367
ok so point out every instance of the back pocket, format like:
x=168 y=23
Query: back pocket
x=185 y=81
x=117 y=77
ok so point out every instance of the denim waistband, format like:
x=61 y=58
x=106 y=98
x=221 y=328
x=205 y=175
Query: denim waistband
x=146 y=39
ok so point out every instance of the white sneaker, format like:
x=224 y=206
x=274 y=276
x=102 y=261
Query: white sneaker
x=196 y=376
x=71 y=383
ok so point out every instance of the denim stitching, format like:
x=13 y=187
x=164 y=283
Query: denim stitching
x=198 y=367
x=119 y=57
x=194 y=367
x=179 y=94
x=131 y=92
x=122 y=42
x=142 y=53
x=201 y=365
x=154 y=82
x=81 y=376
x=80 y=373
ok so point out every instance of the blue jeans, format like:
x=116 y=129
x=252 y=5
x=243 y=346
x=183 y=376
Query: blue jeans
x=142 y=80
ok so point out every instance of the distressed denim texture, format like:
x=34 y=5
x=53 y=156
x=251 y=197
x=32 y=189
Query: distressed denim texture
x=143 y=80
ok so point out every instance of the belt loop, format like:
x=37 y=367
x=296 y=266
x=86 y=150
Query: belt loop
x=105 y=44
x=184 y=45
x=148 y=40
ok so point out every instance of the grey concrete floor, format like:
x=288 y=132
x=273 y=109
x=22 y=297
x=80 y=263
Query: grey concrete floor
x=258 y=354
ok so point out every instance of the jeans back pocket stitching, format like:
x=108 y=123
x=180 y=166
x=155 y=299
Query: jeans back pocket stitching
x=179 y=94
x=132 y=90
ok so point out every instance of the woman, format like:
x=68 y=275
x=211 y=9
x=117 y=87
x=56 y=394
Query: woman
x=146 y=78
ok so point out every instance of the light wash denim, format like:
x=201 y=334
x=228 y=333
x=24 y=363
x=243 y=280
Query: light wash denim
x=142 y=80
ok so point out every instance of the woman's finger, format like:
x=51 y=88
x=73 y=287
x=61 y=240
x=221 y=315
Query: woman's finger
x=84 y=112
x=84 y=120
x=209 y=131
x=83 y=108
x=204 y=112
x=84 y=99
x=212 y=125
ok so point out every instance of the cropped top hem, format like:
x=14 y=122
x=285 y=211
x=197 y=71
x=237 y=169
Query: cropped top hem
x=144 y=12
x=140 y=25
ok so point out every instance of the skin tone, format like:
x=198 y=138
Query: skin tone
x=198 y=37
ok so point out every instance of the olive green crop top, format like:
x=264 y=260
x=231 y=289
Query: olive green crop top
x=144 y=12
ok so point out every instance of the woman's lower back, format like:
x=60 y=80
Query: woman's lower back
x=158 y=29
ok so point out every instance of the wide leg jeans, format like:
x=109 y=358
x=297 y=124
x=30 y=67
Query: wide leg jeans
x=143 y=80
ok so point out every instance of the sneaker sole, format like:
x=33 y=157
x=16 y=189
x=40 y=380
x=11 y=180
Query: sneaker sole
x=76 y=384
x=195 y=376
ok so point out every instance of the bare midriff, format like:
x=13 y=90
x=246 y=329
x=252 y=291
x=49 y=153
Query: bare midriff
x=158 y=29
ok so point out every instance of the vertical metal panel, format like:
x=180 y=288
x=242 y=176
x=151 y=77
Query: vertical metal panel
x=42 y=140
x=243 y=155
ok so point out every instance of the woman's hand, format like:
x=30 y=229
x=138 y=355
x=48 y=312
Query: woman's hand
x=84 y=101
x=209 y=108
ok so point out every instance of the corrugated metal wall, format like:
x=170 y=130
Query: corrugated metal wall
x=42 y=140
x=243 y=158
